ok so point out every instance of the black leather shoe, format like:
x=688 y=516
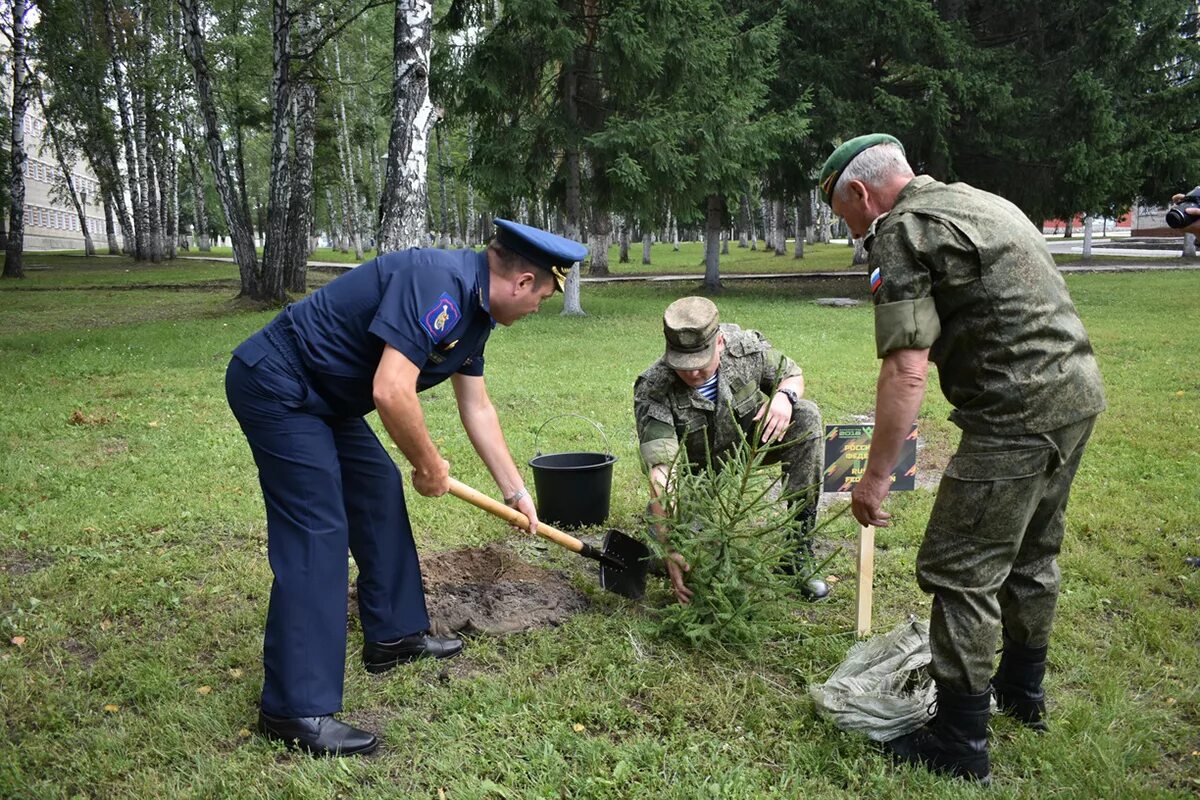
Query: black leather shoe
x=382 y=656
x=318 y=736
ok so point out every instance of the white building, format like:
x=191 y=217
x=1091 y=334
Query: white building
x=50 y=222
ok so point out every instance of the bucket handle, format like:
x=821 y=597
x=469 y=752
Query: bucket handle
x=537 y=450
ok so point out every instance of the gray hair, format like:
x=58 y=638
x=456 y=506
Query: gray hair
x=873 y=166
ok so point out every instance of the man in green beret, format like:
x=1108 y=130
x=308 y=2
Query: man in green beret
x=961 y=277
x=710 y=389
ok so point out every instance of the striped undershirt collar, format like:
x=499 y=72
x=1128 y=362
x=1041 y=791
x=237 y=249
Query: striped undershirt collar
x=708 y=389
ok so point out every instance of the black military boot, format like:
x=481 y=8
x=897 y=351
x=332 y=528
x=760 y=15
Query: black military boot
x=1017 y=684
x=955 y=742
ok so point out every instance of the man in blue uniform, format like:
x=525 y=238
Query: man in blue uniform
x=300 y=388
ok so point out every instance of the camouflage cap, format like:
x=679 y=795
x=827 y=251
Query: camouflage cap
x=844 y=154
x=690 y=326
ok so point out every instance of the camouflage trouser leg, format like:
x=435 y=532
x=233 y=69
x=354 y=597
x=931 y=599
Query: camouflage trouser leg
x=801 y=452
x=990 y=551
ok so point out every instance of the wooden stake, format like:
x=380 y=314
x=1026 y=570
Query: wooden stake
x=866 y=578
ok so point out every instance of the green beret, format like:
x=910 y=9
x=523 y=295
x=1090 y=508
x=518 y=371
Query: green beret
x=847 y=152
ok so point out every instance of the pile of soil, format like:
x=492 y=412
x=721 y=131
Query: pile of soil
x=490 y=590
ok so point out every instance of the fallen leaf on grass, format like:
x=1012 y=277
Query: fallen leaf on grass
x=79 y=418
x=244 y=733
x=105 y=624
x=204 y=690
x=111 y=708
x=152 y=423
x=19 y=641
x=832 y=579
x=235 y=673
x=578 y=728
x=1170 y=701
x=441 y=793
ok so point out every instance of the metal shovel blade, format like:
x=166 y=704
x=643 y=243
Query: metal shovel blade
x=629 y=580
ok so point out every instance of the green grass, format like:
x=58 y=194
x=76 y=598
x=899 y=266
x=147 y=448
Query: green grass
x=132 y=549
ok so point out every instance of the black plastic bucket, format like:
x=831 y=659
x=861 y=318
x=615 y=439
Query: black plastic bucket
x=573 y=489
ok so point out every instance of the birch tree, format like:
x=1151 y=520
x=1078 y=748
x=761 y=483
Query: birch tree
x=14 y=251
x=236 y=215
x=402 y=206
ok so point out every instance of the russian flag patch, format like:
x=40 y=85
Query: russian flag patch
x=876 y=280
x=439 y=320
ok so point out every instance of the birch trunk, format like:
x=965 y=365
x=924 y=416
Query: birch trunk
x=149 y=187
x=599 y=242
x=335 y=233
x=647 y=240
x=147 y=214
x=574 y=199
x=240 y=233
x=753 y=229
x=402 y=206
x=353 y=217
x=1087 y=237
x=714 y=222
x=860 y=253
x=444 y=222
x=14 y=250
x=623 y=254
x=277 y=233
x=109 y=229
x=300 y=214
x=780 y=227
x=105 y=166
x=744 y=221
x=172 y=166
x=799 y=250
x=199 y=212
x=139 y=243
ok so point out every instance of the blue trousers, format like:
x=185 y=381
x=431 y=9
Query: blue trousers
x=329 y=485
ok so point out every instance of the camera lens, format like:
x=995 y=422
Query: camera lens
x=1177 y=219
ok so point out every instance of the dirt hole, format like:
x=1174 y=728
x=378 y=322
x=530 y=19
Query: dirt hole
x=491 y=590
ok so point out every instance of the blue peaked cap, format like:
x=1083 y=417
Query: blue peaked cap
x=543 y=249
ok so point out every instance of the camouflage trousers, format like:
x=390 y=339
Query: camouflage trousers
x=989 y=557
x=801 y=453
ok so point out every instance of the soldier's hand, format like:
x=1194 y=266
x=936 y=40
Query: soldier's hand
x=867 y=498
x=434 y=480
x=526 y=507
x=676 y=566
x=779 y=415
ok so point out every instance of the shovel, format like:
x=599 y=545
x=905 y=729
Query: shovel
x=624 y=561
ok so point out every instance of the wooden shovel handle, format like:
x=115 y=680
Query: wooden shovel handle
x=512 y=516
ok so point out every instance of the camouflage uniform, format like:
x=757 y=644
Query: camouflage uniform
x=964 y=273
x=668 y=412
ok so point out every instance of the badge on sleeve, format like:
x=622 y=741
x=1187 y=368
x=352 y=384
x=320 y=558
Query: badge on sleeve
x=439 y=320
x=876 y=280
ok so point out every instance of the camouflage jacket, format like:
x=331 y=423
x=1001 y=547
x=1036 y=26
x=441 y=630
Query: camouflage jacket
x=966 y=274
x=668 y=411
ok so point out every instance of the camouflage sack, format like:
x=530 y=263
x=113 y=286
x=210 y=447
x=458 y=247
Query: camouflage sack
x=882 y=689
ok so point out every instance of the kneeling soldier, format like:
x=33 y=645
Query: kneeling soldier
x=708 y=391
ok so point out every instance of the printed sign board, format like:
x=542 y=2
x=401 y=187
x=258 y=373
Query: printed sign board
x=846 y=448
